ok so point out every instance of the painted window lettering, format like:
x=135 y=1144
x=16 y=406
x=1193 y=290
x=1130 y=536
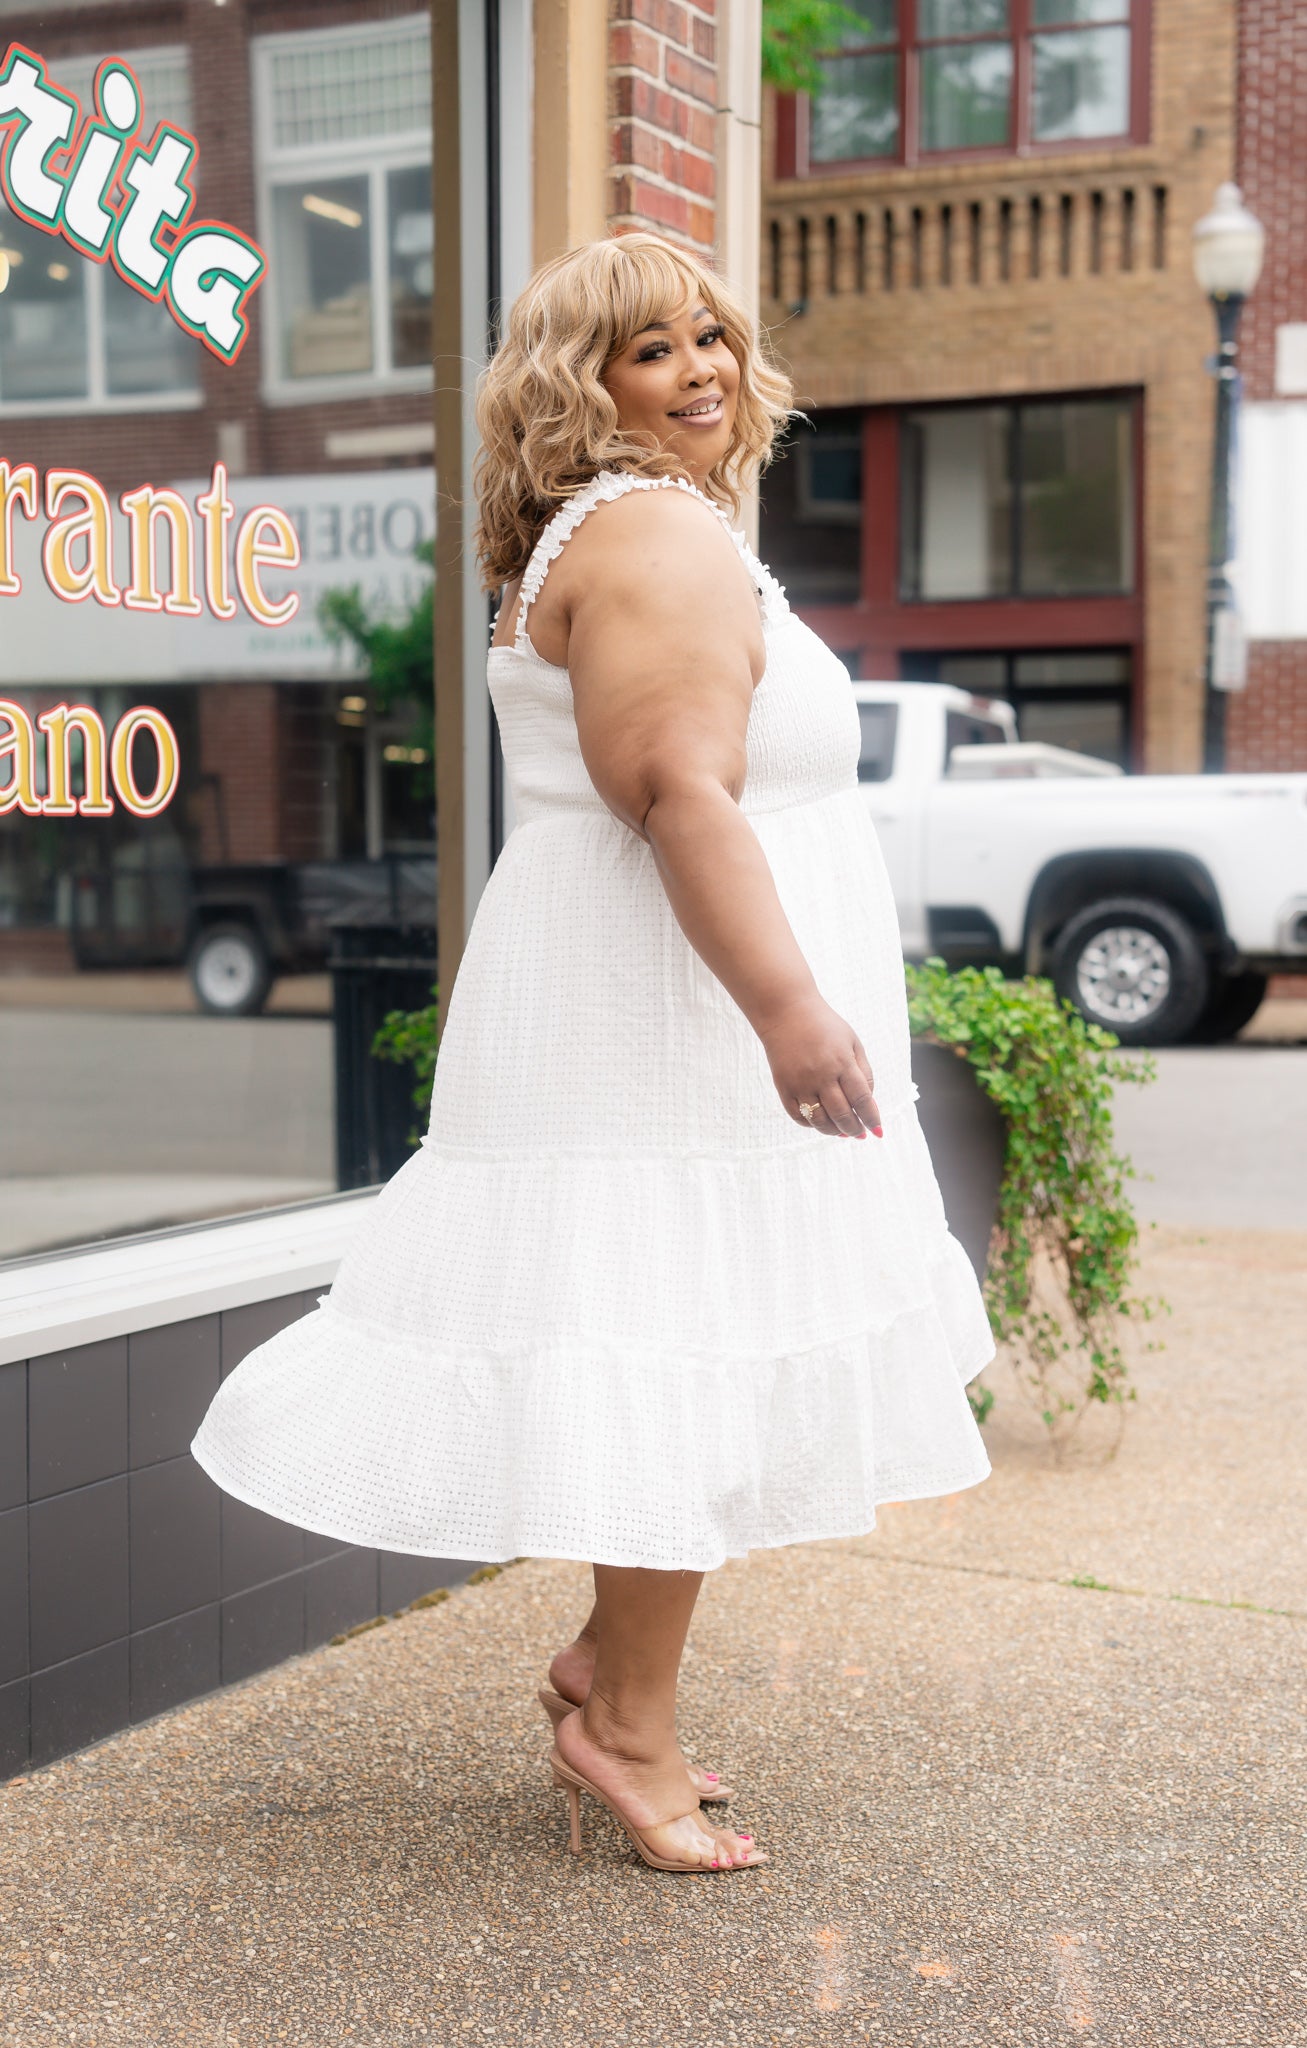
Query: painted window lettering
x=91 y=181
x=77 y=550
x=20 y=749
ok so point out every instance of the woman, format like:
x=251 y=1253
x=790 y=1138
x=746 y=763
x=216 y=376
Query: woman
x=632 y=1301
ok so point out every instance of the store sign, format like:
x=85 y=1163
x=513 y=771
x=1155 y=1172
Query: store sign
x=78 y=557
x=224 y=568
x=105 y=756
x=86 y=178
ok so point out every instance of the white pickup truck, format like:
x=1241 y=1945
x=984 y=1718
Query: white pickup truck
x=1158 y=904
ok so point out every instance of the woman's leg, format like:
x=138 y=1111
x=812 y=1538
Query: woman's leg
x=624 y=1737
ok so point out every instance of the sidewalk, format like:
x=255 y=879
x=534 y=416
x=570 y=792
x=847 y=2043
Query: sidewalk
x=1002 y=1806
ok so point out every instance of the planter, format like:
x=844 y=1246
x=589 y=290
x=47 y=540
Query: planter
x=967 y=1136
x=375 y=968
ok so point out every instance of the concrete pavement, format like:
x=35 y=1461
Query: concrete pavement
x=1029 y=1760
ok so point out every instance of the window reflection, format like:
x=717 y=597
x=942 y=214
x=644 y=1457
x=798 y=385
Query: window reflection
x=322 y=240
x=166 y=982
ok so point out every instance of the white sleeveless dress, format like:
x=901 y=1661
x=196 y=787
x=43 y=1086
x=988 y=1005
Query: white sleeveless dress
x=618 y=1306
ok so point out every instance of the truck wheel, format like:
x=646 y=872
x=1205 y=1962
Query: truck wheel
x=1133 y=966
x=229 y=970
x=1233 y=1003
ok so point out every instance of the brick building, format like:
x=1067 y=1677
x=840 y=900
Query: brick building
x=977 y=264
x=1268 y=721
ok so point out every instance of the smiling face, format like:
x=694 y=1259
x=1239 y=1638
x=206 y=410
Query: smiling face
x=678 y=380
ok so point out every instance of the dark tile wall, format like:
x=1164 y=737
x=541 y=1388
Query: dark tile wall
x=129 y=1582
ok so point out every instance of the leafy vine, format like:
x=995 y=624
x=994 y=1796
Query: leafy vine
x=1063 y=1250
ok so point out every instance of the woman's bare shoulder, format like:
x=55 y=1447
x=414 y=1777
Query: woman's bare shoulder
x=636 y=540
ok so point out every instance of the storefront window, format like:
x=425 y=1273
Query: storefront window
x=812 y=509
x=1074 y=698
x=1030 y=500
x=216 y=774
x=957 y=502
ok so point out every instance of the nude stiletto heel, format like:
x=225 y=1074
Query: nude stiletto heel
x=573 y=1783
x=556 y=1706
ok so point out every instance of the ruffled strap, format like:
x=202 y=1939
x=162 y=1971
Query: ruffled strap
x=614 y=483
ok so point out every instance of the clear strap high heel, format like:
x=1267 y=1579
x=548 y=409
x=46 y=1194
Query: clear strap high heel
x=574 y=1783
x=708 y=1785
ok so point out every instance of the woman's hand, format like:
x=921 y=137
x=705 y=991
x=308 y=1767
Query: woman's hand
x=816 y=1057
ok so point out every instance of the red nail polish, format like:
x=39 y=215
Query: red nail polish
x=877 y=1130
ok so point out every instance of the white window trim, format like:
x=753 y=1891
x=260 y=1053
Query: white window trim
x=97 y=399
x=366 y=155
x=91 y=1292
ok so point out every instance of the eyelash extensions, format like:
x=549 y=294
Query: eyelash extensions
x=714 y=333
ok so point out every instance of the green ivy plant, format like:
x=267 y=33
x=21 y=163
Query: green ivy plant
x=794 y=32
x=412 y=1038
x=1063 y=1251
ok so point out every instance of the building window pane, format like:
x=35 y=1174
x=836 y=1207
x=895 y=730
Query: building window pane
x=144 y=348
x=856 y=113
x=1087 y=725
x=408 y=205
x=351 y=88
x=966 y=95
x=70 y=328
x=42 y=317
x=1082 y=84
x=957 y=500
x=1066 y=670
x=878 y=24
x=1070 y=13
x=323 y=265
x=1077 y=497
x=811 y=510
x=937 y=19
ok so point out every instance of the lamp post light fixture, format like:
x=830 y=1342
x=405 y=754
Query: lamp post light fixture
x=1228 y=245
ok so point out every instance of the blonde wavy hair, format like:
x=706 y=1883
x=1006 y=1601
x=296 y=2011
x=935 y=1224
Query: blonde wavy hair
x=546 y=423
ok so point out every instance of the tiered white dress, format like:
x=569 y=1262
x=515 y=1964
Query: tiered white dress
x=618 y=1306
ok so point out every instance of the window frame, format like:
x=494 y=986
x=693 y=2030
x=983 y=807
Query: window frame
x=793 y=110
x=1014 y=410
x=97 y=398
x=879 y=632
x=372 y=157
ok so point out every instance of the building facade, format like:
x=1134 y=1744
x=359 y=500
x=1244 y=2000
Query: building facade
x=976 y=262
x=1267 y=726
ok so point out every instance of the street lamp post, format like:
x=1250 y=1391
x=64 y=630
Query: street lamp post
x=1227 y=262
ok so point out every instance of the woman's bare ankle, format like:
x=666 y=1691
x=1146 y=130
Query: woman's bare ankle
x=628 y=1731
x=572 y=1669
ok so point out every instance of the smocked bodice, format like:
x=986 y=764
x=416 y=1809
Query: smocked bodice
x=803 y=737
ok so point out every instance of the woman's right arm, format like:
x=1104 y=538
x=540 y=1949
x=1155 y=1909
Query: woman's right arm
x=664 y=650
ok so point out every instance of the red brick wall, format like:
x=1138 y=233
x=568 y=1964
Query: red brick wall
x=1271 y=166
x=239 y=748
x=662 y=61
x=1267 y=722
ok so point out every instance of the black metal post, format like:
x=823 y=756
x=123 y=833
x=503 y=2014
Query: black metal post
x=1220 y=597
